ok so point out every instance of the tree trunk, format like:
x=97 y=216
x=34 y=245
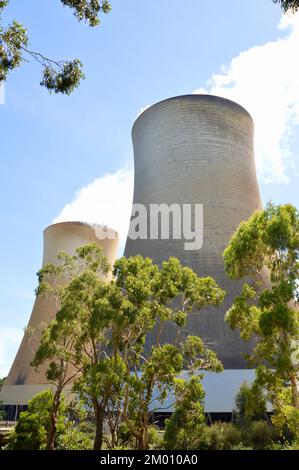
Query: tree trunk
x=141 y=445
x=143 y=441
x=113 y=438
x=53 y=420
x=295 y=395
x=293 y=378
x=99 y=415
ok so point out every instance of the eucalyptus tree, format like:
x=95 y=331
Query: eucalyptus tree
x=269 y=240
x=33 y=424
x=100 y=330
x=250 y=404
x=152 y=297
x=288 y=5
x=186 y=422
x=76 y=345
x=59 y=76
x=59 y=348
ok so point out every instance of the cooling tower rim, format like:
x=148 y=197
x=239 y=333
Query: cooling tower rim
x=194 y=97
x=80 y=224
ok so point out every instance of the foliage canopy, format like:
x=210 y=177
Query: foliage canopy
x=269 y=240
x=58 y=76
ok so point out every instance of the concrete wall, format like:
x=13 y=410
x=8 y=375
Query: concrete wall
x=65 y=236
x=198 y=149
x=220 y=391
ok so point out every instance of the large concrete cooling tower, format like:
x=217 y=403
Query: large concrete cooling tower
x=23 y=382
x=198 y=149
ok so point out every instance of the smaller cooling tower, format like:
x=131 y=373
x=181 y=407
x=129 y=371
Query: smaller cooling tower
x=23 y=382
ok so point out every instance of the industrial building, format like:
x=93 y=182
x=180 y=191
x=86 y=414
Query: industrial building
x=198 y=149
x=23 y=382
x=188 y=150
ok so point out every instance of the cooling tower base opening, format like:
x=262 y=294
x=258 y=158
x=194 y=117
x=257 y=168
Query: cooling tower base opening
x=220 y=393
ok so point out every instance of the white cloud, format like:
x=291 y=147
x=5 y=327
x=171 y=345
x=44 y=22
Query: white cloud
x=265 y=80
x=107 y=200
x=10 y=339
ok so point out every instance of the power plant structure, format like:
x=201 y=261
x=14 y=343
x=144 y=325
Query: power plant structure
x=189 y=151
x=197 y=150
x=23 y=382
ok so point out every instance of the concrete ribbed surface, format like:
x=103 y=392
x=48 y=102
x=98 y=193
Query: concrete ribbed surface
x=198 y=149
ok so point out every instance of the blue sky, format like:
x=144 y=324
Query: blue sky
x=53 y=147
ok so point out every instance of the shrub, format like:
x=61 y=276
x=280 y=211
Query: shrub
x=215 y=436
x=232 y=436
x=33 y=425
x=260 y=435
x=286 y=420
x=124 y=436
x=279 y=446
x=185 y=424
x=29 y=433
x=210 y=438
x=74 y=439
x=250 y=404
x=293 y=446
x=223 y=436
x=241 y=446
x=155 y=441
x=219 y=436
x=283 y=445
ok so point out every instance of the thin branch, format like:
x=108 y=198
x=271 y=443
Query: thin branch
x=163 y=407
x=43 y=60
